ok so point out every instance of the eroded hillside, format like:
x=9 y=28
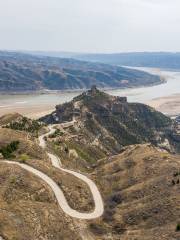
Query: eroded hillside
x=141 y=190
x=125 y=148
x=22 y=72
x=29 y=209
x=111 y=122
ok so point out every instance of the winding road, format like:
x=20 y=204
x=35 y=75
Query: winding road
x=62 y=202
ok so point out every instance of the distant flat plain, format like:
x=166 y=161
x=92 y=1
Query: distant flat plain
x=164 y=97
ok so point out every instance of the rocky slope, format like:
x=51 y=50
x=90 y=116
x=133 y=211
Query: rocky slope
x=140 y=186
x=102 y=137
x=23 y=72
x=110 y=122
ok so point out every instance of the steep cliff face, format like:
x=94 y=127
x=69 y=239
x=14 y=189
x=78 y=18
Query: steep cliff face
x=114 y=122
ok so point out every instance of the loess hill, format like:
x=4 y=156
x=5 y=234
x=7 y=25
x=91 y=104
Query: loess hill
x=141 y=191
x=28 y=208
x=110 y=123
x=140 y=184
x=22 y=72
x=124 y=147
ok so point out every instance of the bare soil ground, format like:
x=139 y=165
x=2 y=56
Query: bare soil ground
x=167 y=105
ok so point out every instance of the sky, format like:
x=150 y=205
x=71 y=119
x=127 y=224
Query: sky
x=91 y=26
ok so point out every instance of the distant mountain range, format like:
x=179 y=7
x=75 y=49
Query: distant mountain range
x=164 y=60
x=27 y=72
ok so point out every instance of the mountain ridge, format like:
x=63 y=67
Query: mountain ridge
x=163 y=60
x=117 y=122
x=24 y=72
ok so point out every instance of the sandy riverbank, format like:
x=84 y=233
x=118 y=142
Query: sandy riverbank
x=34 y=112
x=169 y=105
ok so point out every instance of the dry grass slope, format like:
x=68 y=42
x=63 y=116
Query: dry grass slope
x=142 y=195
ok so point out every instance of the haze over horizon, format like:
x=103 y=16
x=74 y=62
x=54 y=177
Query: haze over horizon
x=91 y=26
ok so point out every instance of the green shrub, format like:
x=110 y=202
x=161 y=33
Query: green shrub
x=8 y=150
x=56 y=134
x=178 y=227
x=26 y=124
x=13 y=179
x=23 y=158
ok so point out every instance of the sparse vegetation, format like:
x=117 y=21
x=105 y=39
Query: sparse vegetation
x=23 y=158
x=25 y=124
x=13 y=179
x=135 y=189
x=8 y=150
x=56 y=134
x=136 y=185
x=176 y=179
x=26 y=199
x=114 y=122
x=97 y=229
x=178 y=227
x=176 y=174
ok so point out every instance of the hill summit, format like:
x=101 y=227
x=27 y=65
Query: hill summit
x=114 y=122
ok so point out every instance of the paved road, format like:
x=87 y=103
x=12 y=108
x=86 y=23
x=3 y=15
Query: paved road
x=99 y=206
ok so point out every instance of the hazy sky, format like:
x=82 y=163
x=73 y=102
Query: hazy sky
x=90 y=25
